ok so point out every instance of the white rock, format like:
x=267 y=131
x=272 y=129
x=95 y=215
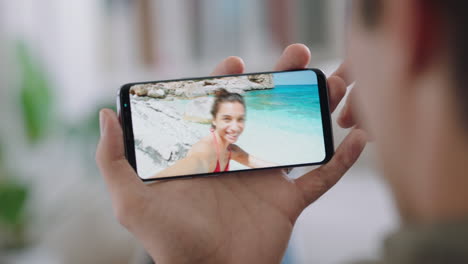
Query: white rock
x=179 y=92
x=156 y=93
x=162 y=136
x=199 y=110
x=193 y=89
x=140 y=90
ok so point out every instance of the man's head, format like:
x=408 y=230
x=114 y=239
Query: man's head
x=409 y=58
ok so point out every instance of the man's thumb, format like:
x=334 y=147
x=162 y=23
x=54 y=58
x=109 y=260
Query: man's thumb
x=110 y=155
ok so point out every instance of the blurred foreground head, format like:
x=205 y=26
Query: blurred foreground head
x=410 y=60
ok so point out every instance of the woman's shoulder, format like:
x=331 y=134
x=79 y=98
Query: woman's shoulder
x=203 y=147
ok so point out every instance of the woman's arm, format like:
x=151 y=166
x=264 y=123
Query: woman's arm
x=244 y=158
x=196 y=162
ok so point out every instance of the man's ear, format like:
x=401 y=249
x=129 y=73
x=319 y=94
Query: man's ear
x=424 y=34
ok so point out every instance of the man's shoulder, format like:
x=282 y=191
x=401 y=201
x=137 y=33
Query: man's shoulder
x=428 y=244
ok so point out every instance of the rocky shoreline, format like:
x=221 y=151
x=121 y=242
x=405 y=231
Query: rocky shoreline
x=162 y=135
x=193 y=88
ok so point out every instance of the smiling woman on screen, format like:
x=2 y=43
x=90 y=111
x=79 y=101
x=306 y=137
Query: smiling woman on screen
x=214 y=152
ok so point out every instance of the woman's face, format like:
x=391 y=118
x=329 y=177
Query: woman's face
x=230 y=121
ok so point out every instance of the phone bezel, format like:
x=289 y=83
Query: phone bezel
x=124 y=112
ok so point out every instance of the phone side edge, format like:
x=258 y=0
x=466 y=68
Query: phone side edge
x=125 y=118
x=326 y=115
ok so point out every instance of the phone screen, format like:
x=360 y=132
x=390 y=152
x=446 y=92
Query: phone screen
x=213 y=125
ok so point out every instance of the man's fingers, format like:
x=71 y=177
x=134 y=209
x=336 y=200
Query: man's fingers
x=315 y=183
x=337 y=90
x=120 y=177
x=342 y=72
x=230 y=65
x=294 y=57
x=347 y=117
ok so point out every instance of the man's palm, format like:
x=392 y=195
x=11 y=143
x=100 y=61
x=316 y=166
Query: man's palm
x=242 y=217
x=251 y=214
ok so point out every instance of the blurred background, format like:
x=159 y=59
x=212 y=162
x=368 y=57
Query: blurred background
x=61 y=61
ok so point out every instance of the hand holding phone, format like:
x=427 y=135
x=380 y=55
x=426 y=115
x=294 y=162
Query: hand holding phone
x=243 y=217
x=212 y=125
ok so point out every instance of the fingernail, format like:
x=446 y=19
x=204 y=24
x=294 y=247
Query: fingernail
x=102 y=122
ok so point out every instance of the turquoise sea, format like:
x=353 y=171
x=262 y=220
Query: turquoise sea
x=284 y=125
x=294 y=108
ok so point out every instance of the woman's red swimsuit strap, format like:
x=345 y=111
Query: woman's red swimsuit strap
x=218 y=167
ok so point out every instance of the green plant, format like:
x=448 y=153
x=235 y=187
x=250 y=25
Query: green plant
x=13 y=196
x=35 y=95
x=36 y=103
x=1 y=157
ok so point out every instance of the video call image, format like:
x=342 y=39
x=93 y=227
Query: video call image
x=226 y=124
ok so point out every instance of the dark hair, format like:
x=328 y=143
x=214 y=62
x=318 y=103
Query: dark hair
x=454 y=14
x=370 y=12
x=223 y=96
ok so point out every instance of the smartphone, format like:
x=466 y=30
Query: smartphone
x=222 y=124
